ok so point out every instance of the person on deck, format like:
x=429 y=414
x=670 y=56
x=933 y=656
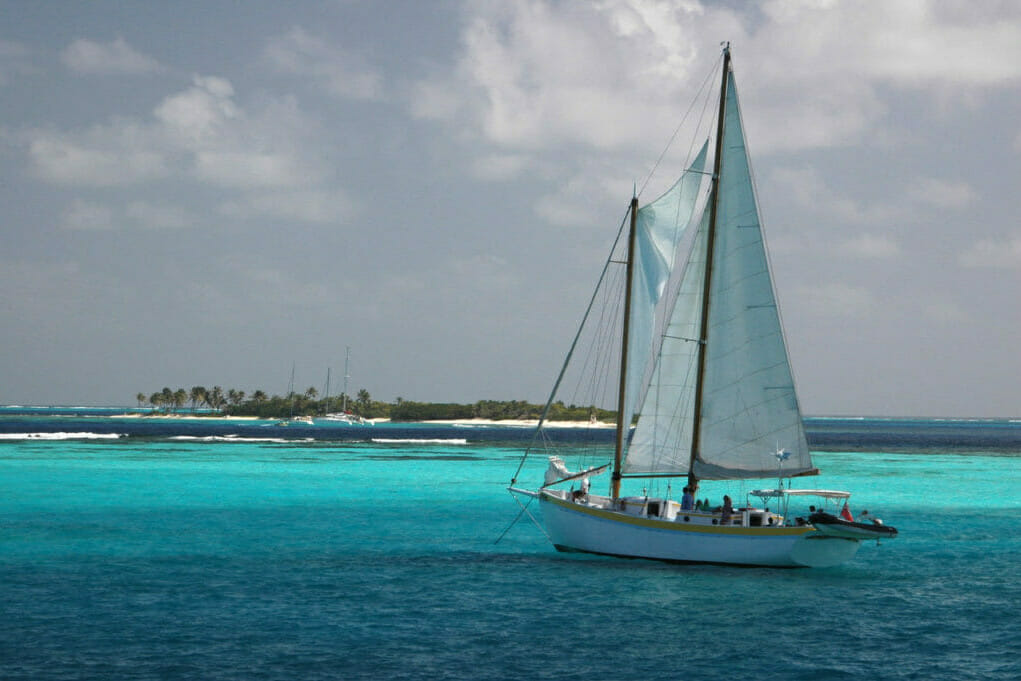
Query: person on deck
x=687 y=500
x=726 y=511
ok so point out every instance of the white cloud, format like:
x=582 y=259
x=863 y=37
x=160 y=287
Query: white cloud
x=439 y=99
x=88 y=216
x=872 y=246
x=199 y=134
x=199 y=115
x=807 y=188
x=202 y=136
x=118 y=154
x=148 y=215
x=994 y=253
x=543 y=74
x=313 y=206
x=908 y=42
x=942 y=193
x=834 y=300
x=852 y=57
x=117 y=57
x=338 y=72
x=93 y=216
x=499 y=166
x=618 y=73
x=570 y=203
x=245 y=168
x=946 y=312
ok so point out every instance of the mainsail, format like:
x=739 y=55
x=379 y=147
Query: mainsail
x=750 y=422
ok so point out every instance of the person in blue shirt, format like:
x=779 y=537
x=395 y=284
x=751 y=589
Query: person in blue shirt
x=687 y=500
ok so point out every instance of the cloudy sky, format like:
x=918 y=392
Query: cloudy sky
x=200 y=193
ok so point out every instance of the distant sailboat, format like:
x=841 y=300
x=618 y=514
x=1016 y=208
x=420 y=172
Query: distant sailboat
x=705 y=371
x=345 y=416
x=307 y=420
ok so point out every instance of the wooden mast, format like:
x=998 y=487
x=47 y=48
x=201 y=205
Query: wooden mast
x=624 y=420
x=696 y=436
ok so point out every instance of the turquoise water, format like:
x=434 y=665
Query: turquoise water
x=149 y=557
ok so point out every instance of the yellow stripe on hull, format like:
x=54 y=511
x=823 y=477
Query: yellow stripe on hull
x=576 y=527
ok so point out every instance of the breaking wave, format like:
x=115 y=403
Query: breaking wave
x=60 y=436
x=235 y=438
x=420 y=441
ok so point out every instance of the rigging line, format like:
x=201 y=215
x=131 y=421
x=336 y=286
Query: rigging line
x=677 y=130
x=709 y=99
x=604 y=343
x=589 y=386
x=514 y=522
x=590 y=392
x=553 y=393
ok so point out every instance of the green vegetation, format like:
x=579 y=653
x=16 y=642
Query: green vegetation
x=237 y=403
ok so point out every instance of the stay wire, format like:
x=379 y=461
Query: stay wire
x=514 y=522
x=680 y=125
x=563 y=370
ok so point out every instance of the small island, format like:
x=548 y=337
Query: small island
x=216 y=401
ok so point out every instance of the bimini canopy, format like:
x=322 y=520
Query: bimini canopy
x=824 y=493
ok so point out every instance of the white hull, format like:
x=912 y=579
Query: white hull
x=349 y=419
x=580 y=527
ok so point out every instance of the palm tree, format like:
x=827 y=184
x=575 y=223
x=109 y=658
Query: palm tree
x=180 y=397
x=141 y=398
x=197 y=396
x=364 y=399
x=311 y=394
x=235 y=397
x=215 y=398
x=259 y=397
x=156 y=400
x=167 y=398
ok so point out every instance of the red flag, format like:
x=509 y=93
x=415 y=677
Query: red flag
x=845 y=513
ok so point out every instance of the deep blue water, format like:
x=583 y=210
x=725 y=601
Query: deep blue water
x=327 y=555
x=824 y=433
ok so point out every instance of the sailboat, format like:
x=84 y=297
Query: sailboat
x=345 y=416
x=704 y=392
x=303 y=419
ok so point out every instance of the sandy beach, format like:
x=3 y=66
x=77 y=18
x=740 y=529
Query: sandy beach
x=512 y=423
x=184 y=417
x=524 y=423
